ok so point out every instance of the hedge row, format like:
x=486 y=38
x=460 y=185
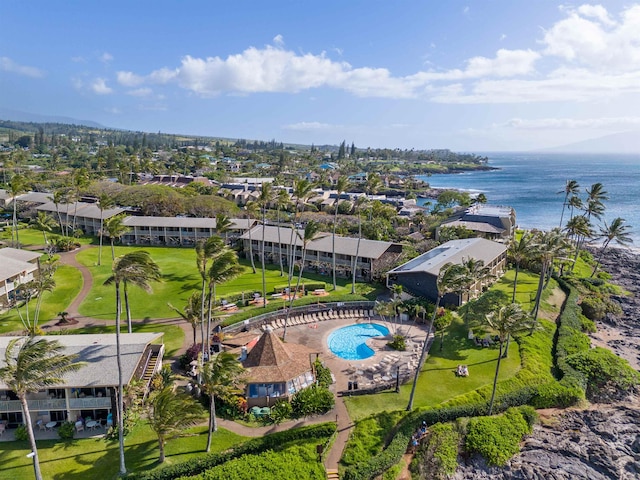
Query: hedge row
x=570 y=340
x=200 y=464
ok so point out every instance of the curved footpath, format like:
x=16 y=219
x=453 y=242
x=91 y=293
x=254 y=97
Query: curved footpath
x=339 y=414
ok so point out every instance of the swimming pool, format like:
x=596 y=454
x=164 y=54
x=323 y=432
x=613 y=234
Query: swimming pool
x=350 y=342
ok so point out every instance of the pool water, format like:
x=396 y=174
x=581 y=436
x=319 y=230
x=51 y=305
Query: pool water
x=350 y=342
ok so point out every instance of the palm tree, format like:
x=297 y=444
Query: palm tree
x=61 y=195
x=575 y=202
x=224 y=267
x=282 y=202
x=518 y=251
x=191 y=312
x=127 y=267
x=451 y=278
x=33 y=364
x=223 y=225
x=105 y=202
x=220 y=378
x=341 y=186
x=301 y=190
x=170 y=412
x=17 y=185
x=44 y=282
x=578 y=229
x=477 y=273
x=506 y=321
x=115 y=229
x=616 y=232
x=205 y=249
x=266 y=196
x=79 y=179
x=311 y=230
x=596 y=195
x=571 y=187
x=44 y=223
x=360 y=204
x=548 y=246
x=252 y=211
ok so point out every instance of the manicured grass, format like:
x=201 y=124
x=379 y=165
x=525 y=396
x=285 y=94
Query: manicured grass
x=68 y=285
x=30 y=237
x=180 y=280
x=438 y=381
x=98 y=458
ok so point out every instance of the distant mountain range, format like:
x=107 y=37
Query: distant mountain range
x=18 y=116
x=626 y=142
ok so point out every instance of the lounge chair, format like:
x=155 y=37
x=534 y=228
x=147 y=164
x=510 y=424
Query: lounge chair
x=79 y=426
x=41 y=425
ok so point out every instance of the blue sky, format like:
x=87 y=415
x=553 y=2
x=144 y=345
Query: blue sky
x=477 y=75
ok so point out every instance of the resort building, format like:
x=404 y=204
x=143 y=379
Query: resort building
x=90 y=391
x=276 y=370
x=419 y=276
x=84 y=216
x=373 y=257
x=17 y=267
x=487 y=221
x=178 y=231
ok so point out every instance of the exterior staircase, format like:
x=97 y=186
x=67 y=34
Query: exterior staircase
x=332 y=474
x=151 y=367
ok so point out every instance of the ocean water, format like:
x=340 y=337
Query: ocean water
x=530 y=183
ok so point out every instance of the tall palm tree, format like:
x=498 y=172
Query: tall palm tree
x=224 y=267
x=220 y=378
x=574 y=203
x=508 y=320
x=341 y=186
x=266 y=196
x=17 y=185
x=548 y=246
x=79 y=180
x=44 y=223
x=191 y=312
x=282 y=202
x=33 y=364
x=44 y=282
x=127 y=267
x=61 y=196
x=223 y=226
x=116 y=229
x=596 y=195
x=360 y=204
x=311 y=231
x=252 y=211
x=301 y=191
x=451 y=278
x=571 y=187
x=616 y=232
x=205 y=249
x=477 y=274
x=170 y=412
x=105 y=202
x=578 y=229
x=518 y=251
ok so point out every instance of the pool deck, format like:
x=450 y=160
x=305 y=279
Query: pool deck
x=384 y=361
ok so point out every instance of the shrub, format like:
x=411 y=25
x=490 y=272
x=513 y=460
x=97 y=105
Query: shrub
x=368 y=436
x=323 y=374
x=593 y=308
x=66 y=430
x=314 y=400
x=197 y=465
x=606 y=373
x=280 y=412
x=439 y=457
x=21 y=433
x=398 y=343
x=497 y=438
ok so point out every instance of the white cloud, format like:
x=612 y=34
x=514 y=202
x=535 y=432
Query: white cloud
x=589 y=54
x=8 y=65
x=129 y=79
x=106 y=57
x=78 y=59
x=306 y=126
x=140 y=92
x=100 y=87
x=113 y=110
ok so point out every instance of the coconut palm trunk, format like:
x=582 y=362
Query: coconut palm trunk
x=32 y=438
x=120 y=405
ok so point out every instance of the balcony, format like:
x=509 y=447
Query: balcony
x=34 y=405
x=89 y=403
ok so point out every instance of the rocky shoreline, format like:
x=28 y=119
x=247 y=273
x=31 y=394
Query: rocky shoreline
x=621 y=334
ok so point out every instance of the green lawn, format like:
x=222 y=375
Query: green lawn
x=98 y=458
x=180 y=279
x=438 y=381
x=68 y=285
x=30 y=237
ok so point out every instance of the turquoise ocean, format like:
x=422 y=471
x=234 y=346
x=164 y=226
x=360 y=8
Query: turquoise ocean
x=530 y=182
